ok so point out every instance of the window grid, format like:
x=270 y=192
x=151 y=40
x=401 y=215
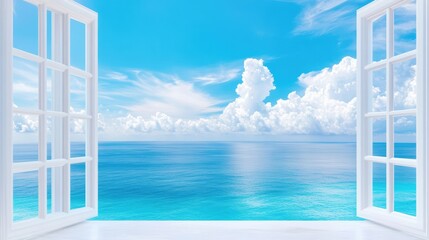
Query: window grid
x=39 y=225
x=390 y=160
x=60 y=166
x=388 y=215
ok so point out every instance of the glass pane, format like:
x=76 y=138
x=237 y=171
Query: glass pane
x=25 y=83
x=77 y=138
x=54 y=96
x=54 y=142
x=25 y=138
x=54 y=42
x=405 y=27
x=52 y=182
x=379 y=39
x=49 y=190
x=405 y=190
x=379 y=146
x=25 y=196
x=49 y=19
x=405 y=92
x=379 y=185
x=77 y=44
x=25 y=27
x=405 y=137
x=77 y=185
x=77 y=95
x=378 y=89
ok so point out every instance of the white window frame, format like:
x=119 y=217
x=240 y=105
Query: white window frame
x=63 y=216
x=418 y=225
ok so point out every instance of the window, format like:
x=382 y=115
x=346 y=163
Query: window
x=48 y=99
x=392 y=89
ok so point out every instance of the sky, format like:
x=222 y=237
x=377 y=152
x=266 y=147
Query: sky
x=221 y=69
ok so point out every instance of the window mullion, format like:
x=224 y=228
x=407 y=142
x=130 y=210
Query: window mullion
x=422 y=111
x=43 y=195
x=92 y=110
x=66 y=109
x=389 y=118
x=57 y=86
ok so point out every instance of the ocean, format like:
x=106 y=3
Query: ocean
x=223 y=181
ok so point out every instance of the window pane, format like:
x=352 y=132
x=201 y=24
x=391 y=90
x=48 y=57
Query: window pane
x=77 y=95
x=49 y=19
x=54 y=141
x=49 y=190
x=405 y=84
x=25 y=138
x=379 y=39
x=77 y=185
x=25 y=196
x=54 y=41
x=379 y=137
x=405 y=27
x=25 y=27
x=52 y=182
x=25 y=83
x=378 y=90
x=77 y=137
x=405 y=137
x=77 y=44
x=405 y=190
x=379 y=185
x=54 y=96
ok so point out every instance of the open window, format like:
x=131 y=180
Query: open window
x=48 y=102
x=392 y=114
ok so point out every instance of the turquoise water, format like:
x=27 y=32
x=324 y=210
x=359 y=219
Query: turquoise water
x=224 y=181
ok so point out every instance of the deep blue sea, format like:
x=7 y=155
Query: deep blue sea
x=223 y=181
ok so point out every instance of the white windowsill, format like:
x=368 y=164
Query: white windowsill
x=226 y=230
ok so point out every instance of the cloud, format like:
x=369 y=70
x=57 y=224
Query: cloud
x=218 y=76
x=174 y=97
x=327 y=107
x=25 y=123
x=405 y=28
x=322 y=16
x=405 y=85
x=256 y=86
x=166 y=104
x=146 y=93
x=25 y=83
x=115 y=76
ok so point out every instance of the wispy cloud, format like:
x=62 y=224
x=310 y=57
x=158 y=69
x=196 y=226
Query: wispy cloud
x=145 y=93
x=218 y=76
x=25 y=83
x=323 y=16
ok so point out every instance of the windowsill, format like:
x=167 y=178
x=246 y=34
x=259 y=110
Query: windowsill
x=249 y=230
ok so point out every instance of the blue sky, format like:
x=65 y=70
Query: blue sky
x=209 y=69
x=194 y=39
x=178 y=37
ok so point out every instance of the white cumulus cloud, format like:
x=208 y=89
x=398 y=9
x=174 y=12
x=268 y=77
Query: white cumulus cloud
x=25 y=123
x=328 y=106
